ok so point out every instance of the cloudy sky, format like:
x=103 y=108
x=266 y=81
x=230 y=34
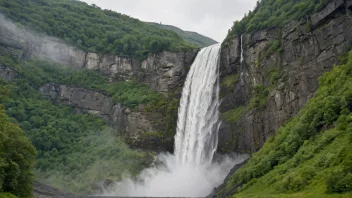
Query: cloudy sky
x=211 y=18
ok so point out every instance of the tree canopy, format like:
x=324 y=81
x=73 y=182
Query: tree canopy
x=17 y=156
x=275 y=13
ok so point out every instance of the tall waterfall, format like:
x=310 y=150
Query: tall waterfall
x=197 y=127
x=191 y=171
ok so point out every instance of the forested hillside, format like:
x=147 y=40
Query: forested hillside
x=275 y=14
x=191 y=37
x=91 y=28
x=75 y=151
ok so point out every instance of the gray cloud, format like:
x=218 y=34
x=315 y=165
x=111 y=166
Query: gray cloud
x=212 y=18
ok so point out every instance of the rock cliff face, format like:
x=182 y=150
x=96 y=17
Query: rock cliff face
x=290 y=74
x=132 y=124
x=163 y=71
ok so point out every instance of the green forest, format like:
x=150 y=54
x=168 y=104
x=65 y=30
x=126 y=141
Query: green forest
x=275 y=14
x=91 y=28
x=17 y=157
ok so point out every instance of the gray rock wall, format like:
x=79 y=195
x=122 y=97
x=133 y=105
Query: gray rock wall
x=309 y=48
x=131 y=123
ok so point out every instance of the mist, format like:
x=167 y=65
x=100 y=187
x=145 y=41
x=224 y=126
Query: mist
x=25 y=43
x=167 y=178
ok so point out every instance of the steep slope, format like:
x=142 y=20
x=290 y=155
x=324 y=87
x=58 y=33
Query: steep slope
x=91 y=28
x=190 y=37
x=310 y=156
x=272 y=104
x=278 y=75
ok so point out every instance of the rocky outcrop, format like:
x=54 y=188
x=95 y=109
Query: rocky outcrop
x=290 y=73
x=163 y=71
x=7 y=73
x=167 y=71
x=136 y=125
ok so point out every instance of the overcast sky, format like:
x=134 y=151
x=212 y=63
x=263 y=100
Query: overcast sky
x=211 y=18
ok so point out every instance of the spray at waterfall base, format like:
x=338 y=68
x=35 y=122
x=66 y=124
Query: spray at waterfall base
x=191 y=171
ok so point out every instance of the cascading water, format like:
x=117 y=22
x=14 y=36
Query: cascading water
x=197 y=127
x=242 y=57
x=190 y=172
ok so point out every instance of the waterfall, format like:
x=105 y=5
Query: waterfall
x=197 y=127
x=191 y=170
x=242 y=57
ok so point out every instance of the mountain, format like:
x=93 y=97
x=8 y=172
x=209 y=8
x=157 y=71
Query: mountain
x=91 y=28
x=190 y=37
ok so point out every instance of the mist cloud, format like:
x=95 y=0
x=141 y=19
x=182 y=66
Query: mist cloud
x=170 y=179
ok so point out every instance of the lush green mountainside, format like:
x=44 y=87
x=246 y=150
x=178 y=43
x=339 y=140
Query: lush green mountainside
x=75 y=151
x=191 y=37
x=91 y=28
x=311 y=155
x=274 y=14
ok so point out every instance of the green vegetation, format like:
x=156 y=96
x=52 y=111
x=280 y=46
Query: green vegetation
x=311 y=155
x=99 y=155
x=258 y=100
x=234 y=114
x=72 y=148
x=191 y=37
x=130 y=94
x=17 y=157
x=91 y=28
x=275 y=14
x=230 y=81
x=7 y=195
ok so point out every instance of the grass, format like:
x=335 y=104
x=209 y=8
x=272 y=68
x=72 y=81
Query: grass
x=230 y=81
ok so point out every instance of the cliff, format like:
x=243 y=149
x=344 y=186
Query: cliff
x=274 y=82
x=163 y=71
x=133 y=124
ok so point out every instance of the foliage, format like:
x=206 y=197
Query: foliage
x=7 y=195
x=72 y=148
x=233 y=114
x=258 y=100
x=274 y=46
x=91 y=28
x=130 y=93
x=17 y=157
x=230 y=81
x=191 y=37
x=259 y=97
x=310 y=153
x=274 y=76
x=275 y=14
x=98 y=156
